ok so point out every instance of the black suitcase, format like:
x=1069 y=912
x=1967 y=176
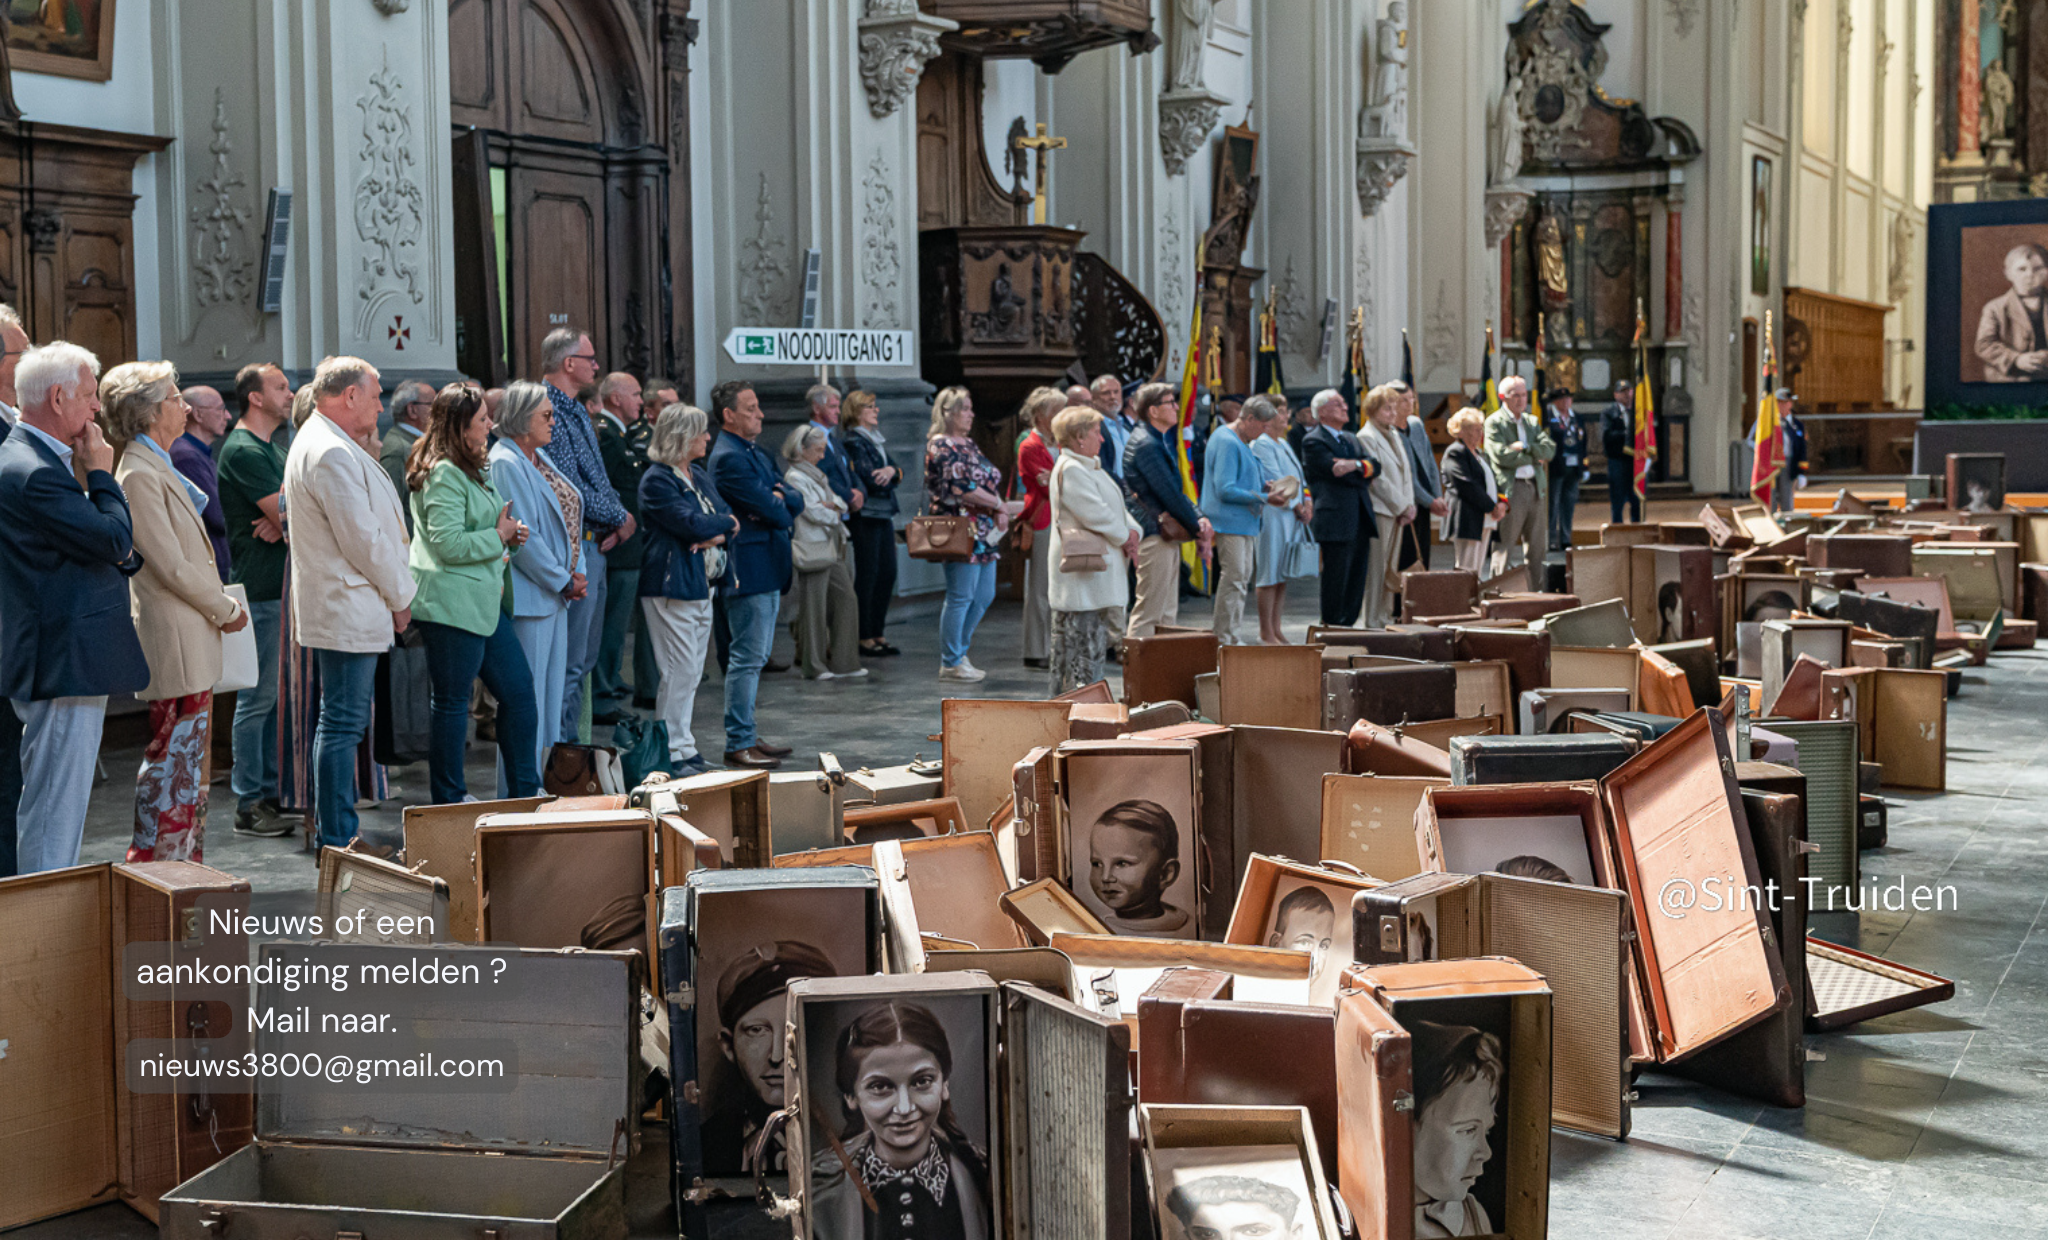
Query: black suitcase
x=1389 y=695
x=1561 y=757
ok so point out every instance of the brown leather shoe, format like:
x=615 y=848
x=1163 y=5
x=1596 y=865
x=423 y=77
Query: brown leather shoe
x=754 y=759
x=773 y=751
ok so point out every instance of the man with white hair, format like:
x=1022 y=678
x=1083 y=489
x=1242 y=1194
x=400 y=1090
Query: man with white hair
x=66 y=553
x=1339 y=472
x=1519 y=449
x=411 y=402
x=568 y=362
x=351 y=587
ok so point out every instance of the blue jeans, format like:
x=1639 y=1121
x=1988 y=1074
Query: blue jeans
x=455 y=658
x=586 y=636
x=970 y=588
x=348 y=681
x=752 y=617
x=255 y=729
x=1564 y=502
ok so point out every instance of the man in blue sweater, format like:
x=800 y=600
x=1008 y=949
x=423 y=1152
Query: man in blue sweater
x=1233 y=493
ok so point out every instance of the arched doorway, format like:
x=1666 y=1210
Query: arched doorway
x=571 y=171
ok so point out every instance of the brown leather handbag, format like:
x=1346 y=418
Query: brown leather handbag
x=944 y=539
x=581 y=770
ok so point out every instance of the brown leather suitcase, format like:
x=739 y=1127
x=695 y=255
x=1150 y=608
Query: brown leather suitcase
x=870 y=824
x=1219 y=827
x=1437 y=644
x=1662 y=687
x=1369 y=822
x=1701 y=666
x=1065 y=1084
x=1045 y=908
x=1440 y=593
x=440 y=843
x=1389 y=695
x=950 y=886
x=366 y=893
x=1296 y=1063
x=1671 y=593
x=1277 y=790
x=1163 y=667
x=1287 y=903
x=1373 y=750
x=1485 y=687
x=1872 y=555
x=1544 y=711
x=1420 y=641
x=1628 y=533
x=1598 y=574
x=1270 y=686
x=1061 y=791
x=1910 y=739
x=1604 y=623
x=1685 y=534
x=1158 y=1037
x=1439 y=733
x=2034 y=592
x=1595 y=667
x=1526 y=653
x=1112 y=971
x=983 y=739
x=1524 y=606
x=569 y=880
x=733 y=807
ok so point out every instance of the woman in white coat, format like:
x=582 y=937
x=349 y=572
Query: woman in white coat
x=1086 y=606
x=1393 y=496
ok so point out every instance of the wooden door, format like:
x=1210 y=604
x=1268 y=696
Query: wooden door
x=556 y=227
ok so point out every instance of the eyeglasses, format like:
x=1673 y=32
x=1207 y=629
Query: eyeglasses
x=582 y=357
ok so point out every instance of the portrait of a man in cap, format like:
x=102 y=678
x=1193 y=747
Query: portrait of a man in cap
x=752 y=993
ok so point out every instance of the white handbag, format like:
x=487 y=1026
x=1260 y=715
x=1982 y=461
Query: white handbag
x=239 y=668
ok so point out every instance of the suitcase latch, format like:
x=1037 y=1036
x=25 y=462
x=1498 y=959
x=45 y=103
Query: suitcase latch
x=1390 y=933
x=683 y=997
x=188 y=924
x=690 y=1092
x=214 y=1223
x=1404 y=1101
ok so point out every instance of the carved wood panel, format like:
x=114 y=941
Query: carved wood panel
x=555 y=223
x=477 y=64
x=1843 y=362
x=558 y=95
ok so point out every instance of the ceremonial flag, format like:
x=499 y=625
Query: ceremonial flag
x=1407 y=362
x=1542 y=366
x=1489 y=396
x=1190 y=386
x=1268 y=378
x=1770 y=438
x=1646 y=408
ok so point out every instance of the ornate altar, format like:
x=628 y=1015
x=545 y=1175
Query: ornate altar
x=1226 y=281
x=1048 y=32
x=997 y=308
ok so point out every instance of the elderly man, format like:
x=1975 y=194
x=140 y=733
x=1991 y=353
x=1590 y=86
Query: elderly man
x=1152 y=491
x=823 y=401
x=66 y=553
x=1339 y=475
x=1233 y=495
x=1106 y=397
x=192 y=456
x=251 y=461
x=1519 y=449
x=569 y=364
x=411 y=402
x=351 y=587
x=620 y=415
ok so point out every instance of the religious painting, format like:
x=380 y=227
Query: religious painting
x=69 y=38
x=1987 y=303
x=1235 y=169
x=1131 y=842
x=1232 y=1190
x=1760 y=226
x=1460 y=1061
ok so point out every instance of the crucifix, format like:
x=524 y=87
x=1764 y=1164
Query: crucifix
x=1043 y=146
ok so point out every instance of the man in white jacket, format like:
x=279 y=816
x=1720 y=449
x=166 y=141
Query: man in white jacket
x=351 y=587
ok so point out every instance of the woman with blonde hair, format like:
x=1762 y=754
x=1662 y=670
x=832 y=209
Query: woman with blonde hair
x=688 y=528
x=961 y=482
x=873 y=528
x=1035 y=462
x=178 y=605
x=824 y=617
x=1393 y=495
x=1087 y=508
x=1472 y=490
x=1283 y=528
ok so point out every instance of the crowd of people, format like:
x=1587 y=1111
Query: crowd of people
x=518 y=536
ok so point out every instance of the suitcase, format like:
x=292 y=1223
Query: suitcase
x=1845 y=986
x=807 y=809
x=1526 y=653
x=1598 y=574
x=903 y=820
x=440 y=843
x=1910 y=737
x=1285 y=903
x=1439 y=733
x=1526 y=606
x=1484 y=688
x=1421 y=646
x=1045 y=908
x=1891 y=617
x=1374 y=750
x=1641 y=725
x=1270 y=686
x=728 y=806
x=1437 y=644
x=1098 y=721
x=1671 y=593
x=737 y=938
x=1369 y=822
x=1166 y=1130
x=1662 y=687
x=1163 y=667
x=2034 y=592
x=1389 y=695
x=544 y=1158
x=1871 y=829
x=1595 y=667
x=1112 y=971
x=1596 y=624
x=569 y=880
x=1628 y=533
x=1545 y=710
x=1825 y=641
x=1444 y=592
x=381 y=901
x=1219 y=827
x=1376 y=1088
x=1060 y=793
x=1295 y=1067
x=1701 y=666
x=1872 y=555
x=949 y=886
x=1158 y=1027
x=887 y=785
x=1555 y=758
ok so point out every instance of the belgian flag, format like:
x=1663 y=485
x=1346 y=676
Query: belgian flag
x=1489 y=395
x=1407 y=362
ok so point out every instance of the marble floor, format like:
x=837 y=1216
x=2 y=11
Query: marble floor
x=1922 y=1123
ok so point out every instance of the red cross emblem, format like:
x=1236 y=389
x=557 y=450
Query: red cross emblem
x=399 y=332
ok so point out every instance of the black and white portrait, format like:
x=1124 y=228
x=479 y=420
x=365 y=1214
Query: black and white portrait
x=1546 y=846
x=1132 y=841
x=1242 y=1192
x=2011 y=343
x=1979 y=482
x=751 y=946
x=1307 y=916
x=899 y=1112
x=1460 y=1073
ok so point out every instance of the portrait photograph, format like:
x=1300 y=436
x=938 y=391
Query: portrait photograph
x=1460 y=1066
x=1131 y=840
x=1987 y=303
x=750 y=946
x=1308 y=916
x=1551 y=847
x=1225 y=1192
x=899 y=1097
x=1979 y=482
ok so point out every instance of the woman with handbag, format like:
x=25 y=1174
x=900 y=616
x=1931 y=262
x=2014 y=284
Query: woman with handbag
x=1092 y=538
x=1034 y=477
x=177 y=603
x=1285 y=550
x=463 y=533
x=546 y=568
x=687 y=527
x=1474 y=494
x=1393 y=498
x=873 y=528
x=962 y=484
x=824 y=616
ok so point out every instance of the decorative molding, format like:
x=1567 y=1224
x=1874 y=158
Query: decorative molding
x=1683 y=14
x=881 y=259
x=390 y=206
x=1290 y=306
x=1505 y=206
x=1172 y=282
x=1382 y=162
x=1362 y=286
x=42 y=225
x=896 y=42
x=1845 y=30
x=1186 y=119
x=764 y=272
x=1440 y=331
x=391 y=8
x=221 y=264
x=1899 y=279
x=1694 y=332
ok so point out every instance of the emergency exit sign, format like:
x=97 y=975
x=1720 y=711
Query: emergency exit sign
x=797 y=346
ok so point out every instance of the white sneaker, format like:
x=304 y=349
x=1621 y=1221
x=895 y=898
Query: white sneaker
x=963 y=671
x=855 y=674
x=826 y=676
x=969 y=665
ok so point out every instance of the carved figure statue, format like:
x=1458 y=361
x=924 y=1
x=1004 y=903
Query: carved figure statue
x=1998 y=97
x=1550 y=266
x=1507 y=131
x=1192 y=22
x=1386 y=116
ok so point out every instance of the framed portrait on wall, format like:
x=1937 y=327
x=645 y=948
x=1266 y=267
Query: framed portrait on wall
x=69 y=38
x=1987 y=303
x=1759 y=225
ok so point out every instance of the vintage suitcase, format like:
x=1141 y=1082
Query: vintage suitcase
x=568 y=880
x=1526 y=606
x=910 y=781
x=544 y=1158
x=729 y=806
x=1484 y=688
x=1276 y=789
x=1423 y=642
x=1094 y=693
x=1378 y=1014
x=1158 y=1027
x=1209 y=695
x=736 y=939
x=1671 y=593
x=1701 y=665
x=904 y=820
x=1219 y=828
x=383 y=901
x=1872 y=830
x=1595 y=667
x=1062 y=795
x=1437 y=644
x=1845 y=986
x=1045 y=908
x=984 y=738
x=1369 y=822
x=440 y=843
x=948 y=886
x=1281 y=1141
x=1445 y=592
x=1911 y=732
x=1873 y=555
x=71 y=1133
x=1825 y=641
x=2034 y=592
x=1374 y=750
x=1544 y=710
x=1163 y=667
x=1295 y=1067
x=1042 y=967
x=1598 y=574
x=1112 y=971
x=1389 y=695
x=1597 y=624
x=1800 y=690
x=1767 y=1061
x=1662 y=687
x=1554 y=758
x=1993 y=561
x=1270 y=686
x=1891 y=617
x=1641 y=725
x=1441 y=732
x=1576 y=936
x=1285 y=903
x=1628 y=533
x=1098 y=721
x=1527 y=653
x=807 y=809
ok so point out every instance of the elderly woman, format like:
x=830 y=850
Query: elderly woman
x=1283 y=526
x=462 y=535
x=178 y=604
x=1034 y=474
x=824 y=616
x=546 y=574
x=1393 y=495
x=960 y=482
x=1086 y=503
x=686 y=526
x=1474 y=493
x=873 y=528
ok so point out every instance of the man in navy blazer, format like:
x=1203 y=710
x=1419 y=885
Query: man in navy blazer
x=66 y=553
x=1337 y=467
x=760 y=569
x=822 y=402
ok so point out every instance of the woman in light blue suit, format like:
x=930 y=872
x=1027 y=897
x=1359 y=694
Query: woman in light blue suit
x=546 y=572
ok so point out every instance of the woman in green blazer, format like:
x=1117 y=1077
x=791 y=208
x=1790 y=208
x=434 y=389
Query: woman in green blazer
x=463 y=534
